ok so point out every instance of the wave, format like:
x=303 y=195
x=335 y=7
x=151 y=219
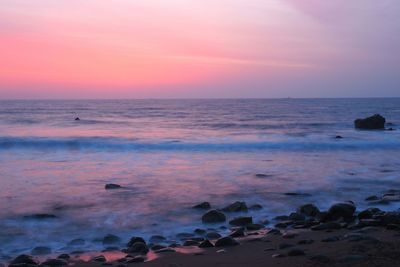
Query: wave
x=121 y=144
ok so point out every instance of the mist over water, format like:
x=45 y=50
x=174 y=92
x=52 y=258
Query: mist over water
x=172 y=154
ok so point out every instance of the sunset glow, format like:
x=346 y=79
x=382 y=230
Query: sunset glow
x=177 y=48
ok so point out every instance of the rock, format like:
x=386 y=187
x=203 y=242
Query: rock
x=241 y=221
x=76 y=242
x=189 y=243
x=40 y=251
x=368 y=213
x=341 y=210
x=200 y=231
x=326 y=226
x=284 y=224
x=111 y=239
x=281 y=218
x=256 y=207
x=63 y=256
x=237 y=233
x=134 y=240
x=184 y=236
x=157 y=247
x=135 y=259
x=390 y=218
x=54 y=262
x=294 y=216
x=254 y=227
x=203 y=206
x=296 y=252
x=309 y=210
x=100 y=258
x=213 y=216
x=138 y=247
x=213 y=235
x=206 y=244
x=23 y=259
x=263 y=175
x=112 y=186
x=236 y=207
x=41 y=216
x=372 y=198
x=295 y=194
x=338 y=137
x=77 y=119
x=265 y=222
x=374 y=122
x=226 y=241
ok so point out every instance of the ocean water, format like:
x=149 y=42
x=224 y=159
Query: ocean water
x=172 y=154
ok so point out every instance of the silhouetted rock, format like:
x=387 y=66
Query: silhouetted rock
x=341 y=210
x=111 y=239
x=77 y=119
x=374 y=122
x=112 y=186
x=203 y=206
x=213 y=216
x=237 y=233
x=213 y=235
x=134 y=240
x=23 y=259
x=136 y=259
x=309 y=210
x=226 y=241
x=138 y=247
x=339 y=137
x=206 y=244
x=40 y=216
x=241 y=221
x=236 y=207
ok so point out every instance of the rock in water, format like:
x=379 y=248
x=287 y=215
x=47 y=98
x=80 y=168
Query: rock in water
x=138 y=247
x=206 y=244
x=23 y=259
x=341 y=210
x=77 y=119
x=374 y=122
x=309 y=210
x=236 y=207
x=213 y=216
x=241 y=221
x=226 y=241
x=112 y=186
x=203 y=206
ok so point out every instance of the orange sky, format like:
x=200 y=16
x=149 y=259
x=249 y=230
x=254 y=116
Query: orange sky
x=154 y=48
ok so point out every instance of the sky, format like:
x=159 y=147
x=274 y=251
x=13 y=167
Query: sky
x=199 y=49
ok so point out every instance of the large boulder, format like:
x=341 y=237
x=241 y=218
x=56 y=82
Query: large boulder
x=341 y=210
x=374 y=122
x=213 y=216
x=309 y=210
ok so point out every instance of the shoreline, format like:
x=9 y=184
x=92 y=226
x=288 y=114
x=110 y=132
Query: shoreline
x=340 y=236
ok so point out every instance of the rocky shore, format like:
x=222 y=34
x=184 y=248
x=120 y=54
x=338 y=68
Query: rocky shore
x=339 y=236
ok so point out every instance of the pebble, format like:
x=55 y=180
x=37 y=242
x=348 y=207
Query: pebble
x=112 y=186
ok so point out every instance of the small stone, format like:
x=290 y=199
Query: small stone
x=41 y=216
x=203 y=206
x=296 y=252
x=226 y=241
x=40 y=251
x=185 y=236
x=213 y=216
x=165 y=250
x=112 y=186
x=351 y=258
x=100 y=258
x=236 y=207
x=263 y=175
x=206 y=244
x=339 y=137
x=294 y=216
x=111 y=239
x=331 y=239
x=289 y=235
x=254 y=227
x=157 y=247
x=77 y=119
x=241 y=221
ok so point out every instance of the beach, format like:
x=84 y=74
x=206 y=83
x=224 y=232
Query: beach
x=137 y=168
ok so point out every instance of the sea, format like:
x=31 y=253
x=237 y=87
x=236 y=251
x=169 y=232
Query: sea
x=169 y=155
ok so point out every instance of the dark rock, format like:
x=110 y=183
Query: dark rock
x=134 y=240
x=326 y=226
x=339 y=137
x=77 y=119
x=351 y=258
x=111 y=239
x=372 y=198
x=390 y=218
x=203 y=206
x=295 y=194
x=309 y=210
x=241 y=221
x=374 y=122
x=206 y=244
x=294 y=216
x=236 y=207
x=54 y=262
x=256 y=207
x=157 y=247
x=63 y=256
x=213 y=235
x=281 y=218
x=23 y=259
x=341 y=210
x=368 y=213
x=40 y=251
x=254 y=227
x=189 y=243
x=136 y=259
x=112 y=186
x=226 y=241
x=100 y=258
x=213 y=216
x=263 y=175
x=274 y=232
x=266 y=222
x=184 y=236
x=138 y=247
x=237 y=233
x=296 y=252
x=200 y=231
x=41 y=216
x=165 y=250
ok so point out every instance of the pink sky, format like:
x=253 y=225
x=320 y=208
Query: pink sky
x=208 y=48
